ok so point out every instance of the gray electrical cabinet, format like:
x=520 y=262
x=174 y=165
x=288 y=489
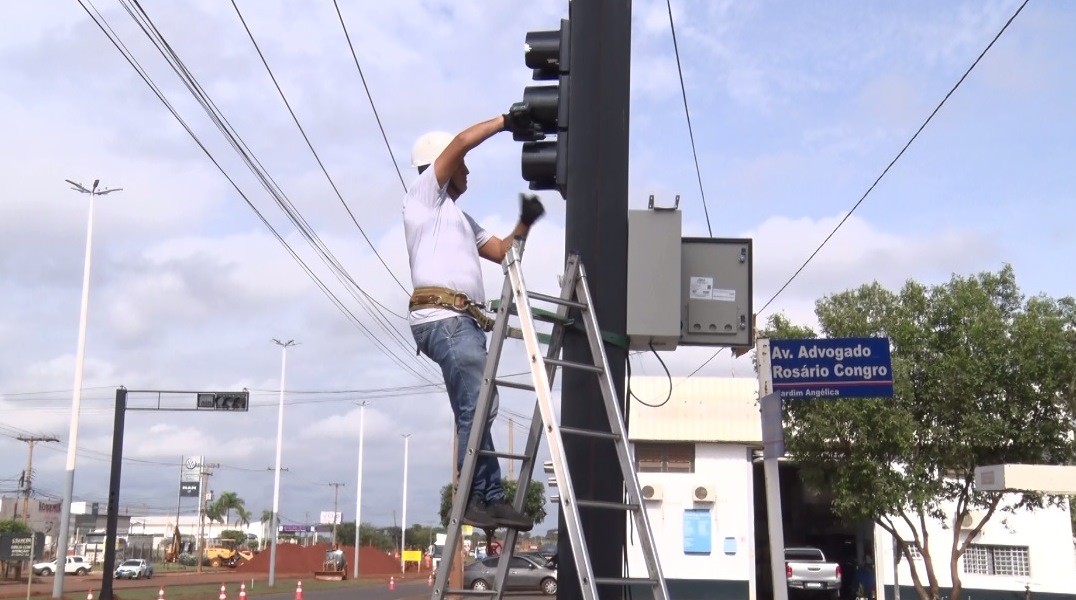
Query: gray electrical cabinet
x=654 y=256
x=716 y=288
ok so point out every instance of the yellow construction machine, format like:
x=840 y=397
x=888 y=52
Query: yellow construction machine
x=334 y=568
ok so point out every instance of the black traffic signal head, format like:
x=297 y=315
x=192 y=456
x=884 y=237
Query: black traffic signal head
x=239 y=401
x=544 y=163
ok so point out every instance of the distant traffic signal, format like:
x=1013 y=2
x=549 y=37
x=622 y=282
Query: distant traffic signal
x=224 y=401
x=544 y=163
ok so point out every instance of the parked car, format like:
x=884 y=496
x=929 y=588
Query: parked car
x=807 y=569
x=525 y=572
x=134 y=568
x=75 y=565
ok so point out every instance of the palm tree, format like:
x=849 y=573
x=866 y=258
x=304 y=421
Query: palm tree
x=268 y=521
x=228 y=502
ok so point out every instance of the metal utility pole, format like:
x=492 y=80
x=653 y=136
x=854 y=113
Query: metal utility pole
x=62 y=537
x=358 y=488
x=336 y=492
x=27 y=477
x=511 y=450
x=203 y=495
x=279 y=444
x=403 y=517
x=597 y=228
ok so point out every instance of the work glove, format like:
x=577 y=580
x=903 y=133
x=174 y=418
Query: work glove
x=518 y=119
x=530 y=210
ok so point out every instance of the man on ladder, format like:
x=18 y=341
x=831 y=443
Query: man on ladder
x=444 y=245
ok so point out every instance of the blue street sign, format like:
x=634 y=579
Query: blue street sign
x=832 y=368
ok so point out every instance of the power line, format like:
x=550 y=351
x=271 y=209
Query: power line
x=883 y=174
x=369 y=96
x=687 y=113
x=236 y=142
x=311 y=146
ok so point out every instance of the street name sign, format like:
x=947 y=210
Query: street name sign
x=832 y=368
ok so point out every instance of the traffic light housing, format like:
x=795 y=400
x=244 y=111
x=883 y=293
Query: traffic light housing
x=233 y=401
x=544 y=163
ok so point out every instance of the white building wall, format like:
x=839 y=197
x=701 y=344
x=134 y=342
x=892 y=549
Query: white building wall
x=726 y=471
x=1046 y=533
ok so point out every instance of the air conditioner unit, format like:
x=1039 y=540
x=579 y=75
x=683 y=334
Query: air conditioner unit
x=704 y=493
x=965 y=521
x=652 y=491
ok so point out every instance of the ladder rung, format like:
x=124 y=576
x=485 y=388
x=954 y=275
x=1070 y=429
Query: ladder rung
x=625 y=581
x=519 y=385
x=590 y=433
x=557 y=300
x=503 y=454
x=574 y=365
x=606 y=505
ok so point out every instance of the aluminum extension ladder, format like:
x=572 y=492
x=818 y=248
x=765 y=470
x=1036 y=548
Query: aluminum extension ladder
x=573 y=304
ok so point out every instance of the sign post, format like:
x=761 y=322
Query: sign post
x=807 y=369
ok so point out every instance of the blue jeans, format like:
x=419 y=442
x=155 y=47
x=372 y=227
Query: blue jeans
x=458 y=345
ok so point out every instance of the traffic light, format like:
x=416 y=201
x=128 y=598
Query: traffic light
x=224 y=400
x=544 y=162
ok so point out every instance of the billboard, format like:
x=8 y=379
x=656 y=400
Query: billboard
x=192 y=468
x=189 y=489
x=329 y=517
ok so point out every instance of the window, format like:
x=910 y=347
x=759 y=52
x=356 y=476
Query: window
x=657 y=457
x=982 y=559
x=913 y=551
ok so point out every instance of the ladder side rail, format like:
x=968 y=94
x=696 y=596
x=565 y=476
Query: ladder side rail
x=556 y=446
x=618 y=426
x=461 y=495
x=534 y=436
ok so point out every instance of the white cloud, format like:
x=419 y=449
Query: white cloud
x=795 y=111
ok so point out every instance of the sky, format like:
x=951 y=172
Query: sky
x=797 y=109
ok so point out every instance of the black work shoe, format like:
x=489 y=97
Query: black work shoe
x=505 y=515
x=477 y=514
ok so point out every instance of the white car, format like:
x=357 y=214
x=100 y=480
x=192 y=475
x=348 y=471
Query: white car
x=134 y=568
x=75 y=565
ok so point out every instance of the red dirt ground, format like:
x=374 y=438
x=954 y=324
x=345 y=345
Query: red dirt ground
x=292 y=558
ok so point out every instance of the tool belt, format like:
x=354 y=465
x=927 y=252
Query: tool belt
x=438 y=297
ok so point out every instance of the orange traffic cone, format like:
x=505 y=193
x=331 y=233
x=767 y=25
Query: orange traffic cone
x=429 y=580
x=392 y=584
x=223 y=595
x=160 y=594
x=89 y=595
x=242 y=591
x=299 y=591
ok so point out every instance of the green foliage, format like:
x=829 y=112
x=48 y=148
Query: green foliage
x=239 y=537
x=981 y=376
x=13 y=526
x=534 y=506
x=382 y=538
x=220 y=511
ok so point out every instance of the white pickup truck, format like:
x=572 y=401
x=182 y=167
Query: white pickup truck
x=806 y=569
x=76 y=565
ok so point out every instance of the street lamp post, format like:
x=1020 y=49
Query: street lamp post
x=279 y=443
x=403 y=517
x=62 y=540
x=358 y=487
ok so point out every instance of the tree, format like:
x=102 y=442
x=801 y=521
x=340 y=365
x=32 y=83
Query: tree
x=534 y=507
x=981 y=376
x=221 y=509
x=14 y=526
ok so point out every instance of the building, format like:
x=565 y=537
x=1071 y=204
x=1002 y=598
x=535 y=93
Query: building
x=698 y=461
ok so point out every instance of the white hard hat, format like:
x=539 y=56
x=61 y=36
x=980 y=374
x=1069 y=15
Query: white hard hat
x=429 y=147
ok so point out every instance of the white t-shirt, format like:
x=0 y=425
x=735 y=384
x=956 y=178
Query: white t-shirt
x=442 y=245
